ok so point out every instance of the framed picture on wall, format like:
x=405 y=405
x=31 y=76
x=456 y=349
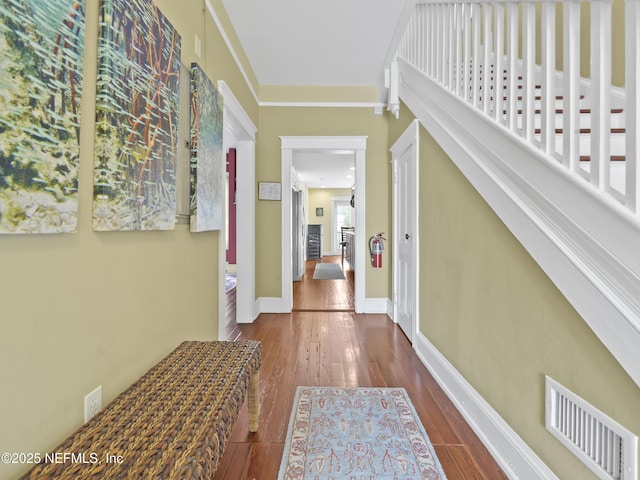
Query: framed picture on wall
x=269 y=191
x=319 y=212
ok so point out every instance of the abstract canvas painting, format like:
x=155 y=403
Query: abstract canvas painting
x=41 y=60
x=207 y=165
x=136 y=118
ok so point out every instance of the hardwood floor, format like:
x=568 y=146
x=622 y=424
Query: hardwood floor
x=342 y=349
x=326 y=295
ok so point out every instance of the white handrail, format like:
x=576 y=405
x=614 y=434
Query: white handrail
x=461 y=46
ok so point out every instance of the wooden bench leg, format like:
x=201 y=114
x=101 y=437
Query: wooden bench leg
x=254 y=401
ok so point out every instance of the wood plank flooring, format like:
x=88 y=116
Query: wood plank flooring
x=342 y=349
x=327 y=295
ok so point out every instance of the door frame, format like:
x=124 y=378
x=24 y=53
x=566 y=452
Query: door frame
x=240 y=133
x=355 y=144
x=408 y=140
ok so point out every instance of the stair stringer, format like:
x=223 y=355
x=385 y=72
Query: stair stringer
x=583 y=240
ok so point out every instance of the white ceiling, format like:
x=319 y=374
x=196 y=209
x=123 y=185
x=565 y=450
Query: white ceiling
x=325 y=169
x=313 y=42
x=318 y=43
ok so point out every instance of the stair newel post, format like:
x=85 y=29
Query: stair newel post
x=601 y=93
x=528 y=73
x=498 y=62
x=511 y=93
x=571 y=84
x=488 y=66
x=632 y=114
x=477 y=51
x=548 y=84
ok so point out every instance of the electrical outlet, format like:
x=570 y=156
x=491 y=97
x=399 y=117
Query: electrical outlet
x=92 y=403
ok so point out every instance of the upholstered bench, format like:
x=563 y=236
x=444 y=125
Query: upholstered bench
x=174 y=422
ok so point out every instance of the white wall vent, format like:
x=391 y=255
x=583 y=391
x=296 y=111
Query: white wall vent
x=606 y=447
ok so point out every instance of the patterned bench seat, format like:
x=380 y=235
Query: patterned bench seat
x=174 y=422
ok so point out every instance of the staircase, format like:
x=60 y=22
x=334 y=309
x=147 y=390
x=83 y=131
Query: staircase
x=554 y=154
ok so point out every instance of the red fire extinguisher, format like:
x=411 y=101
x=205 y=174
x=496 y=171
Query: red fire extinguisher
x=375 y=249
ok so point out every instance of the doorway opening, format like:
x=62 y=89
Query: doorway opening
x=320 y=215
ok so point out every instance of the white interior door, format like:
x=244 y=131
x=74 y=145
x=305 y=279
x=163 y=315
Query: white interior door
x=405 y=236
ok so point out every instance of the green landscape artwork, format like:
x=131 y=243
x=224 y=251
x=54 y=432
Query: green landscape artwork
x=136 y=118
x=41 y=60
x=207 y=165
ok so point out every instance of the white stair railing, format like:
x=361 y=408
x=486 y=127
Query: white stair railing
x=472 y=49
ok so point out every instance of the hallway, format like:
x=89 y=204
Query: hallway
x=324 y=295
x=343 y=349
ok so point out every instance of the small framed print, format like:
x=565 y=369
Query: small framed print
x=319 y=212
x=269 y=191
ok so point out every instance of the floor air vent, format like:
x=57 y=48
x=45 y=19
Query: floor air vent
x=607 y=448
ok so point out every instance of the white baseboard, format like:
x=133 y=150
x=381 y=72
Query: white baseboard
x=377 y=305
x=512 y=454
x=269 y=305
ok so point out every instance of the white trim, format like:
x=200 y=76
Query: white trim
x=357 y=144
x=377 y=305
x=239 y=132
x=512 y=454
x=269 y=305
x=408 y=140
x=216 y=20
x=584 y=241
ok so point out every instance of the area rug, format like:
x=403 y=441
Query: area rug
x=356 y=434
x=328 y=271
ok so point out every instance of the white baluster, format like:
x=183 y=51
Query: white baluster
x=459 y=84
x=431 y=36
x=466 y=71
x=512 y=62
x=426 y=47
x=548 y=93
x=600 y=93
x=632 y=114
x=451 y=46
x=440 y=37
x=488 y=74
x=528 y=73
x=571 y=93
x=477 y=50
x=499 y=61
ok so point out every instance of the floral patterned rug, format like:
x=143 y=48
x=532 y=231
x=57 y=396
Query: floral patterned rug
x=357 y=434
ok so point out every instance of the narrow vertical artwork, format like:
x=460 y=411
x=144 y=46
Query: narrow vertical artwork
x=41 y=61
x=136 y=118
x=207 y=165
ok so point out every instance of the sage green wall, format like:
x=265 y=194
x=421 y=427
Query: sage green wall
x=311 y=121
x=496 y=316
x=321 y=198
x=88 y=309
